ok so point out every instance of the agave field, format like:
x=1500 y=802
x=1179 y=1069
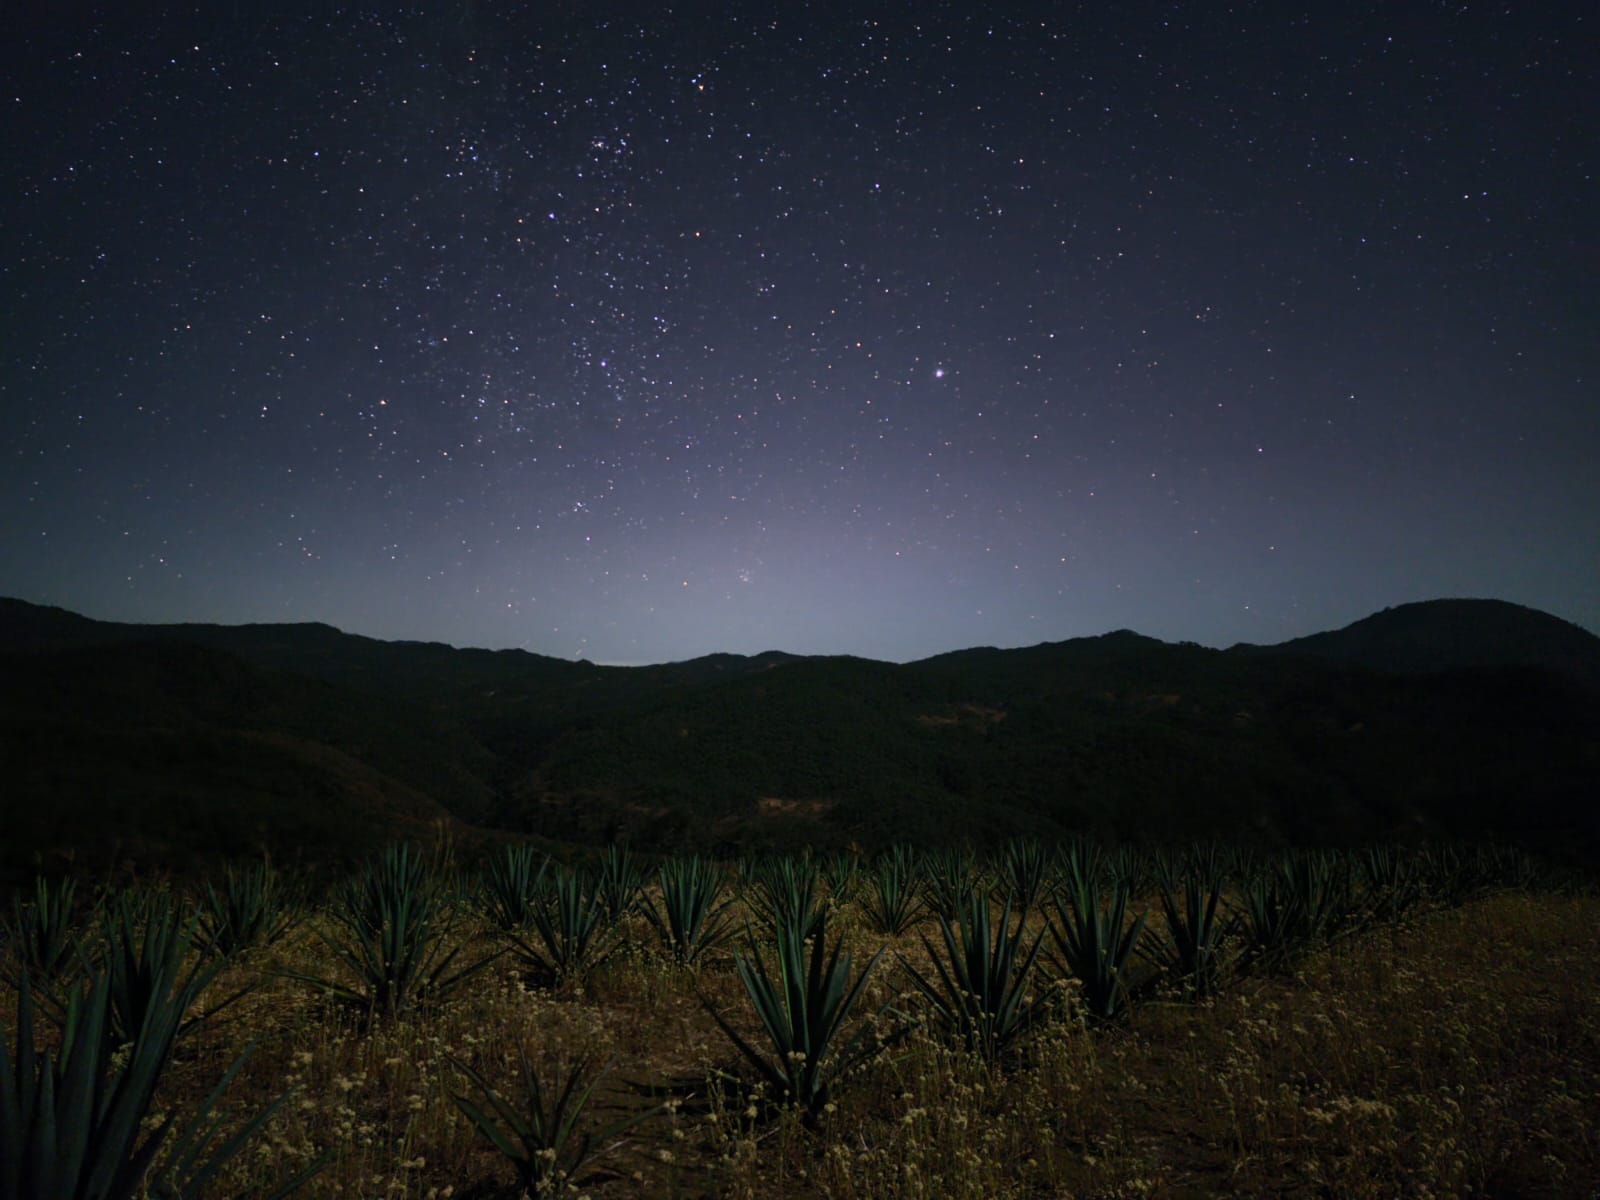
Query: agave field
x=1044 y=1021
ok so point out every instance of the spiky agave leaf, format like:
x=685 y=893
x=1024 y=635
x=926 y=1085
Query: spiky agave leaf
x=1269 y=920
x=1095 y=943
x=1293 y=902
x=981 y=993
x=803 y=1002
x=571 y=927
x=539 y=1133
x=1391 y=884
x=1324 y=883
x=73 y=1119
x=1024 y=872
x=195 y=1156
x=1127 y=864
x=1197 y=924
x=841 y=871
x=394 y=925
x=250 y=909
x=619 y=883
x=41 y=932
x=692 y=917
x=145 y=952
x=893 y=903
x=513 y=885
x=69 y=1121
x=947 y=877
x=785 y=891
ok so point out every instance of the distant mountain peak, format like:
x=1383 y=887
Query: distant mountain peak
x=1450 y=634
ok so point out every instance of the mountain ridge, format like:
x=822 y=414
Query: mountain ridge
x=1492 y=733
x=1446 y=634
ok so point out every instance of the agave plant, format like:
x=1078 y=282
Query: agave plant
x=393 y=930
x=1391 y=886
x=1024 y=871
x=803 y=1002
x=1292 y=902
x=841 y=871
x=513 y=886
x=1455 y=874
x=1459 y=873
x=619 y=883
x=1198 y=925
x=1128 y=865
x=41 y=933
x=893 y=904
x=980 y=991
x=250 y=909
x=1269 y=918
x=145 y=954
x=786 y=892
x=746 y=873
x=1331 y=899
x=75 y=1119
x=692 y=917
x=1515 y=868
x=1093 y=943
x=539 y=1132
x=947 y=877
x=571 y=928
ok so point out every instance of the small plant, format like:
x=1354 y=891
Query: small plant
x=1197 y=923
x=692 y=917
x=746 y=873
x=802 y=1002
x=1024 y=871
x=785 y=892
x=75 y=1119
x=571 y=927
x=947 y=876
x=893 y=904
x=1294 y=902
x=1269 y=918
x=1128 y=865
x=1391 y=886
x=41 y=933
x=539 y=1130
x=251 y=909
x=1509 y=867
x=980 y=994
x=1324 y=882
x=394 y=922
x=841 y=871
x=619 y=883
x=1456 y=874
x=1095 y=944
x=145 y=956
x=513 y=886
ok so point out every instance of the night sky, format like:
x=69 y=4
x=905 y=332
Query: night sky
x=636 y=334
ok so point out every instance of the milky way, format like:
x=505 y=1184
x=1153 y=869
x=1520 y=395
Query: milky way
x=642 y=336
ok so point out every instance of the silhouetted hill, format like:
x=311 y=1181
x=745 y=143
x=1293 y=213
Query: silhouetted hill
x=141 y=731
x=167 y=743
x=407 y=670
x=1442 y=635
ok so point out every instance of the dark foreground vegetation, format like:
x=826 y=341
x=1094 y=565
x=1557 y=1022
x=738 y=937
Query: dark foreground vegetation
x=1038 y=1020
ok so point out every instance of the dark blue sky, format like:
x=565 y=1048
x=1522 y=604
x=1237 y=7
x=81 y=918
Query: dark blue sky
x=639 y=334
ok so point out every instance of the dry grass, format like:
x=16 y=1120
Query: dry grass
x=1458 y=1055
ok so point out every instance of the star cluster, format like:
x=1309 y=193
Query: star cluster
x=638 y=334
